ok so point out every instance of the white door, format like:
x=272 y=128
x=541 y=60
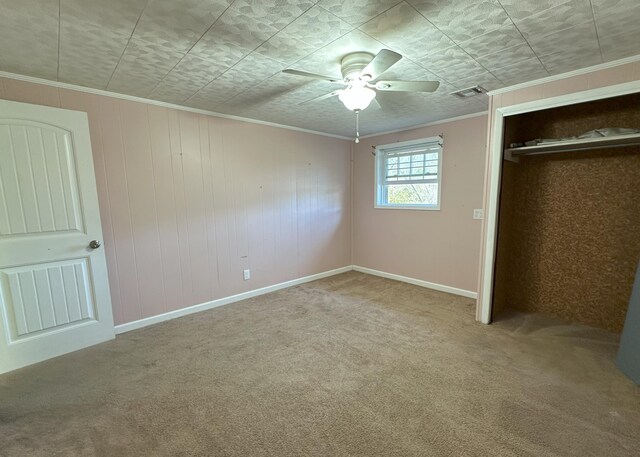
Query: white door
x=54 y=291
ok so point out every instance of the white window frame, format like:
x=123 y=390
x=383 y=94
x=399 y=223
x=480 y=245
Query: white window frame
x=381 y=189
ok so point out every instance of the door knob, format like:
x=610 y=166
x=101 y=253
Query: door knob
x=95 y=244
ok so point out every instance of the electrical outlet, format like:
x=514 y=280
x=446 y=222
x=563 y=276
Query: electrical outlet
x=246 y=274
x=478 y=214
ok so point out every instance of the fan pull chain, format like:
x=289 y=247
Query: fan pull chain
x=357 y=126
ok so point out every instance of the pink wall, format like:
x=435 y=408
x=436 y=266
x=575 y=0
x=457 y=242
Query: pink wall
x=188 y=201
x=588 y=81
x=442 y=246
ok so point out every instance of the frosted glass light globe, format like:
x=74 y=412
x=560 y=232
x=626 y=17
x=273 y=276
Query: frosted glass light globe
x=357 y=97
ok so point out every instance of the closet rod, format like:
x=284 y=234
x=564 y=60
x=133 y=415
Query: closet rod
x=573 y=145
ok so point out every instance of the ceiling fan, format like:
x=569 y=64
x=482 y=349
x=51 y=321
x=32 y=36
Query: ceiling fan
x=360 y=73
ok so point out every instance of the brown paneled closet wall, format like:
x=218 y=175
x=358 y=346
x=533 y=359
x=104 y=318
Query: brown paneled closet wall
x=569 y=224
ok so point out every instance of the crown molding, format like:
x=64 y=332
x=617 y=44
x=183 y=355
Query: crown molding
x=442 y=121
x=569 y=74
x=106 y=93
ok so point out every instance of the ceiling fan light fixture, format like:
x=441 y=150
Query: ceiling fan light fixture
x=357 y=98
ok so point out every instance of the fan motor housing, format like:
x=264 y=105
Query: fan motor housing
x=352 y=64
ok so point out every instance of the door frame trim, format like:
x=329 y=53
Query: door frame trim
x=494 y=171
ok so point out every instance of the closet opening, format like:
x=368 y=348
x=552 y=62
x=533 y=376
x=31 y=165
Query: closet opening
x=568 y=235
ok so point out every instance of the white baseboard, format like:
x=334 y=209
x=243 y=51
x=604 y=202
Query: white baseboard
x=122 y=328
x=418 y=282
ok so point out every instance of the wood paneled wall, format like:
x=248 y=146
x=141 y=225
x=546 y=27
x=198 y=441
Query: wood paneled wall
x=568 y=240
x=188 y=201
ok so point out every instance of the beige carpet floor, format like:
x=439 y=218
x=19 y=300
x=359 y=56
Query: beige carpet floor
x=348 y=365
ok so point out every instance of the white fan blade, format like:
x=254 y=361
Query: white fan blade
x=311 y=75
x=408 y=86
x=380 y=63
x=322 y=97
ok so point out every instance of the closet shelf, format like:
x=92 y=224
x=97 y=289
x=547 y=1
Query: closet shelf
x=574 y=145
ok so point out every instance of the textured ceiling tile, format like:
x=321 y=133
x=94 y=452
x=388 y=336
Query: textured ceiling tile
x=285 y=48
x=619 y=46
x=502 y=38
x=248 y=73
x=408 y=70
x=310 y=91
x=603 y=6
x=614 y=21
x=563 y=61
x=556 y=19
x=407 y=31
x=131 y=83
x=356 y=12
x=149 y=60
x=294 y=93
x=178 y=25
x=462 y=20
x=89 y=54
x=277 y=13
x=451 y=73
x=235 y=67
x=251 y=99
x=194 y=71
x=326 y=61
x=120 y=16
x=580 y=37
x=519 y=9
x=226 y=53
x=209 y=98
x=255 y=67
x=232 y=37
x=486 y=80
x=527 y=70
x=506 y=57
x=317 y=27
x=449 y=61
x=29 y=37
x=172 y=93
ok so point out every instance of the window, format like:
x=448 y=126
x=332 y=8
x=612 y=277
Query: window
x=408 y=174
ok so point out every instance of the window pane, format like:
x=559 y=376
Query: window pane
x=408 y=174
x=412 y=194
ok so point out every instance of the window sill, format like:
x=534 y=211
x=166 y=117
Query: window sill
x=409 y=207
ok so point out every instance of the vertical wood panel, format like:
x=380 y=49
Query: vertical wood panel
x=209 y=214
x=30 y=305
x=188 y=201
x=11 y=199
x=69 y=282
x=234 y=198
x=44 y=298
x=54 y=181
x=69 y=180
x=142 y=201
x=26 y=187
x=166 y=207
x=56 y=286
x=21 y=91
x=129 y=303
x=40 y=178
x=82 y=284
x=22 y=323
x=220 y=202
x=194 y=206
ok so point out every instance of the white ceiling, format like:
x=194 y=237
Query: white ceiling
x=227 y=56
